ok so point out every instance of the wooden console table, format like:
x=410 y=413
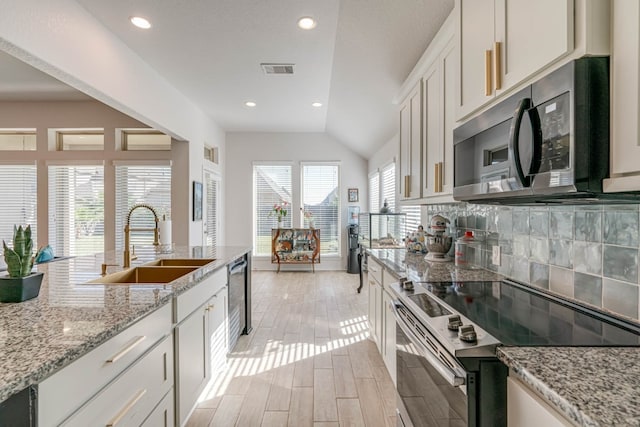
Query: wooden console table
x=295 y=246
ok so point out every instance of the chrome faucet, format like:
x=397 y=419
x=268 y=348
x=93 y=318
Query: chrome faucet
x=128 y=230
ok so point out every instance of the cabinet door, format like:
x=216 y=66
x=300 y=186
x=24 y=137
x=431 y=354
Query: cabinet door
x=372 y=307
x=524 y=52
x=432 y=120
x=410 y=144
x=449 y=65
x=378 y=316
x=192 y=374
x=525 y=409
x=625 y=95
x=475 y=29
x=389 y=354
x=218 y=331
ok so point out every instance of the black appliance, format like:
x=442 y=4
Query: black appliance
x=446 y=338
x=239 y=299
x=549 y=142
x=353 y=249
x=20 y=410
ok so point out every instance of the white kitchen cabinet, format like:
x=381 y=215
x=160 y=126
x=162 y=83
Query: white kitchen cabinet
x=410 y=144
x=501 y=43
x=133 y=395
x=201 y=340
x=374 y=278
x=74 y=386
x=625 y=99
x=389 y=335
x=526 y=409
x=162 y=415
x=438 y=119
x=218 y=331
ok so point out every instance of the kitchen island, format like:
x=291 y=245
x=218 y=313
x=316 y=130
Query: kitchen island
x=71 y=317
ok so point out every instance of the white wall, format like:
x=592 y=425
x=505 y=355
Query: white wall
x=62 y=39
x=385 y=154
x=245 y=148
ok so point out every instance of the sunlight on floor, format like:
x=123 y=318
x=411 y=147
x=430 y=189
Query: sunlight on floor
x=276 y=354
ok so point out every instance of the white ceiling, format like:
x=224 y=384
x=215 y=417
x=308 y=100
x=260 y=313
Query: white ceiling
x=353 y=62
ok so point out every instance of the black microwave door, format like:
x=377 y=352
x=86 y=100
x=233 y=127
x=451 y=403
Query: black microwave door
x=525 y=142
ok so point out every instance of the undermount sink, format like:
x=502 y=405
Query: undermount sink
x=177 y=262
x=145 y=274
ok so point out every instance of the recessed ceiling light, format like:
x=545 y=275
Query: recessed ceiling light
x=316 y=104
x=306 y=23
x=250 y=104
x=140 y=22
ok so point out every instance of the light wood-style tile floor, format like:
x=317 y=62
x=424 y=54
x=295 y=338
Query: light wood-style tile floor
x=308 y=362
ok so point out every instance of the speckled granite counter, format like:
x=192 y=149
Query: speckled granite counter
x=590 y=386
x=70 y=317
x=401 y=263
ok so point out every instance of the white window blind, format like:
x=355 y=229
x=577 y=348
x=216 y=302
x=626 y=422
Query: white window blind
x=320 y=196
x=211 y=213
x=76 y=210
x=148 y=184
x=412 y=219
x=19 y=201
x=271 y=185
x=374 y=192
x=389 y=186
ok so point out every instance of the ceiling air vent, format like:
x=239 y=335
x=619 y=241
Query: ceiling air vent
x=277 y=68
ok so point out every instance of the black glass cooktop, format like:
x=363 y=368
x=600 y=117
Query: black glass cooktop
x=516 y=315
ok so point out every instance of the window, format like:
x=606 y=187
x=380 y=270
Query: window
x=19 y=201
x=211 y=154
x=389 y=186
x=17 y=139
x=135 y=184
x=76 y=210
x=320 y=196
x=145 y=140
x=84 y=139
x=212 y=185
x=374 y=192
x=412 y=220
x=271 y=185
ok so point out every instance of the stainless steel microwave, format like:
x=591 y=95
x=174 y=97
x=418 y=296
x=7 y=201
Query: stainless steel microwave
x=549 y=142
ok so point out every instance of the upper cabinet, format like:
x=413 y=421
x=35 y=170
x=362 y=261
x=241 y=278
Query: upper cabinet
x=426 y=123
x=625 y=97
x=410 y=140
x=502 y=43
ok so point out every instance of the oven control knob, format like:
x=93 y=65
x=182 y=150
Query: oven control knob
x=466 y=333
x=454 y=322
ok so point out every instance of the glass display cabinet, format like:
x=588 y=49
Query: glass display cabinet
x=382 y=230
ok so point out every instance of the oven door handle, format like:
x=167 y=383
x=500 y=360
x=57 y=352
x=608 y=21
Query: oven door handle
x=447 y=373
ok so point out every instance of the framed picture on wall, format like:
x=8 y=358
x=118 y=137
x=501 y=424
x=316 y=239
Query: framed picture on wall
x=197 y=201
x=353 y=195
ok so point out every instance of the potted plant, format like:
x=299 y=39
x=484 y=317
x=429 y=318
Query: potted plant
x=20 y=284
x=279 y=211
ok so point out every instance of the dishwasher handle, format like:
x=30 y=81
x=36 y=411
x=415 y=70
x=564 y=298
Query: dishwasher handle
x=238 y=266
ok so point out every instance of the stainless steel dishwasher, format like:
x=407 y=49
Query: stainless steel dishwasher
x=239 y=299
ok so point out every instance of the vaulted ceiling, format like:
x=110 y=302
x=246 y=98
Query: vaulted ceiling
x=353 y=61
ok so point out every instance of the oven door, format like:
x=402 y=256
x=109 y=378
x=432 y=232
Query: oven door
x=429 y=393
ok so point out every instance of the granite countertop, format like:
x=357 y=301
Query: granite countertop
x=401 y=263
x=591 y=386
x=70 y=317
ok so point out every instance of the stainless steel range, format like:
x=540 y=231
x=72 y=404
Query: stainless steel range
x=447 y=334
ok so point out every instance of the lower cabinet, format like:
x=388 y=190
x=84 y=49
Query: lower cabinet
x=201 y=340
x=389 y=335
x=130 y=399
x=375 y=311
x=526 y=409
x=128 y=374
x=162 y=415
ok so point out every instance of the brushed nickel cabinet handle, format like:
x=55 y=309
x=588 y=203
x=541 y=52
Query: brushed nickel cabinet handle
x=119 y=355
x=487 y=73
x=497 y=50
x=120 y=415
